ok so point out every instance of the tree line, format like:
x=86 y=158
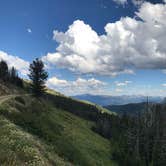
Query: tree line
x=135 y=141
x=139 y=140
x=37 y=75
x=9 y=75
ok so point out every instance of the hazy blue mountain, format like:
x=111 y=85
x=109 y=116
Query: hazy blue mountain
x=105 y=100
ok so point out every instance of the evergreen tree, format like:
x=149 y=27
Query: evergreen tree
x=14 y=78
x=38 y=76
x=13 y=75
x=3 y=71
x=19 y=82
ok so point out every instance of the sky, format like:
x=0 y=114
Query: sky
x=105 y=47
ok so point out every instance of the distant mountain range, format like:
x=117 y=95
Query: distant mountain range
x=106 y=100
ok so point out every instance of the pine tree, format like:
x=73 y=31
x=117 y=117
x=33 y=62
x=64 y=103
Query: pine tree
x=3 y=71
x=38 y=76
x=13 y=75
x=14 y=78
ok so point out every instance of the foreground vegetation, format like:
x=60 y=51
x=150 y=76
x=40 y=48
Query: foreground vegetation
x=52 y=129
x=36 y=132
x=47 y=128
x=137 y=140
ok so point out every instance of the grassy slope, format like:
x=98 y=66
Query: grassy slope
x=17 y=147
x=32 y=131
x=84 y=102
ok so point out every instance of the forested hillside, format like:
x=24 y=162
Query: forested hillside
x=49 y=129
x=137 y=140
x=35 y=132
x=44 y=127
x=132 y=109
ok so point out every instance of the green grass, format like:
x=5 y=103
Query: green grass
x=17 y=147
x=8 y=89
x=47 y=135
x=84 y=102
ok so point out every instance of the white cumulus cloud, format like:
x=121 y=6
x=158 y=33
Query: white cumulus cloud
x=78 y=86
x=20 y=64
x=120 y=2
x=164 y=84
x=125 y=83
x=138 y=2
x=118 y=90
x=54 y=82
x=127 y=44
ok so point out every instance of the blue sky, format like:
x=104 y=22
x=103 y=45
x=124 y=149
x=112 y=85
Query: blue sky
x=43 y=16
x=90 y=46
